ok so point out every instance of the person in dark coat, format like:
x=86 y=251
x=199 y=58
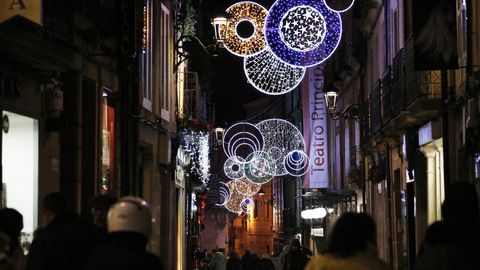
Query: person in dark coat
x=233 y=262
x=295 y=258
x=64 y=243
x=11 y=223
x=99 y=208
x=129 y=228
x=453 y=242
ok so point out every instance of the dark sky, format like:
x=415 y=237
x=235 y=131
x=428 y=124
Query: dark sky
x=230 y=85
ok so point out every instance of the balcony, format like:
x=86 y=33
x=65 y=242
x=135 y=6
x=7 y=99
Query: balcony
x=376 y=108
x=404 y=97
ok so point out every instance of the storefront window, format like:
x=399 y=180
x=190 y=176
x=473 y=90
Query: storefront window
x=108 y=145
x=20 y=170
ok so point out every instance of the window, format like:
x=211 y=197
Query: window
x=165 y=62
x=146 y=58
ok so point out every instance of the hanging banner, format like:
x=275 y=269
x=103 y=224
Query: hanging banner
x=30 y=9
x=435 y=29
x=315 y=128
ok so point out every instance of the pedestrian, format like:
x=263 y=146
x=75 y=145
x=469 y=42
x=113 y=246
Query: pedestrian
x=218 y=261
x=233 y=262
x=11 y=223
x=99 y=209
x=64 y=243
x=453 y=242
x=129 y=224
x=295 y=258
x=6 y=262
x=351 y=246
x=249 y=260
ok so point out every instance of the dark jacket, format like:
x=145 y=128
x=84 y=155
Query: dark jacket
x=123 y=251
x=62 y=245
x=295 y=260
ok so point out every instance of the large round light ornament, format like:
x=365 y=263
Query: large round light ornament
x=281 y=138
x=240 y=140
x=233 y=169
x=339 y=10
x=249 y=12
x=302 y=32
x=259 y=168
x=271 y=76
x=302 y=28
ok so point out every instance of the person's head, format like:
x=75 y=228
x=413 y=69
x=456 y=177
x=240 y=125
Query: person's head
x=99 y=207
x=295 y=245
x=351 y=234
x=461 y=204
x=11 y=223
x=132 y=215
x=54 y=205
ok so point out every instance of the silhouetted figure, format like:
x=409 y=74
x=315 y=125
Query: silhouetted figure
x=351 y=246
x=11 y=223
x=129 y=228
x=249 y=260
x=453 y=242
x=265 y=264
x=218 y=261
x=6 y=262
x=233 y=262
x=65 y=241
x=99 y=209
x=295 y=258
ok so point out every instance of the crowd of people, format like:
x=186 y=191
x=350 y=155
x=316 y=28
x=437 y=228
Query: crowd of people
x=118 y=240
x=68 y=242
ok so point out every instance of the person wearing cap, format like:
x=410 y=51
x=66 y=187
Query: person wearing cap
x=129 y=225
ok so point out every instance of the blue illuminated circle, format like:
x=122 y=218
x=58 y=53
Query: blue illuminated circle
x=307 y=51
x=302 y=28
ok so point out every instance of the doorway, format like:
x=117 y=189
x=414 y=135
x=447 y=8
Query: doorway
x=20 y=169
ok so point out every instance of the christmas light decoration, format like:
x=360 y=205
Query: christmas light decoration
x=253 y=13
x=242 y=139
x=296 y=163
x=197 y=145
x=302 y=32
x=246 y=187
x=260 y=168
x=224 y=194
x=281 y=137
x=340 y=10
x=246 y=203
x=234 y=170
x=270 y=75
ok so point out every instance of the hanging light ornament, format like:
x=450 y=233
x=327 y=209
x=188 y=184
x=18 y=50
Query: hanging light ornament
x=242 y=139
x=339 y=10
x=240 y=12
x=234 y=170
x=296 y=163
x=281 y=137
x=270 y=75
x=246 y=187
x=302 y=32
x=260 y=168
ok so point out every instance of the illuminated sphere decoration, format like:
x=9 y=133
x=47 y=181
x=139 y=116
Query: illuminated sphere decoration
x=296 y=163
x=233 y=169
x=246 y=187
x=240 y=140
x=302 y=32
x=252 y=13
x=260 y=168
x=281 y=138
x=339 y=10
x=246 y=203
x=270 y=75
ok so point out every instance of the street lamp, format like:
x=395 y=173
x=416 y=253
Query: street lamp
x=350 y=112
x=187 y=44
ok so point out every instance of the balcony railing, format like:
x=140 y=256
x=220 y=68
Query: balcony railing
x=387 y=96
x=398 y=83
x=376 y=108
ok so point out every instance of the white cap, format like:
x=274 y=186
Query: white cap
x=130 y=214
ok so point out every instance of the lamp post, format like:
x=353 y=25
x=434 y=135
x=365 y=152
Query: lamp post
x=352 y=111
x=185 y=44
